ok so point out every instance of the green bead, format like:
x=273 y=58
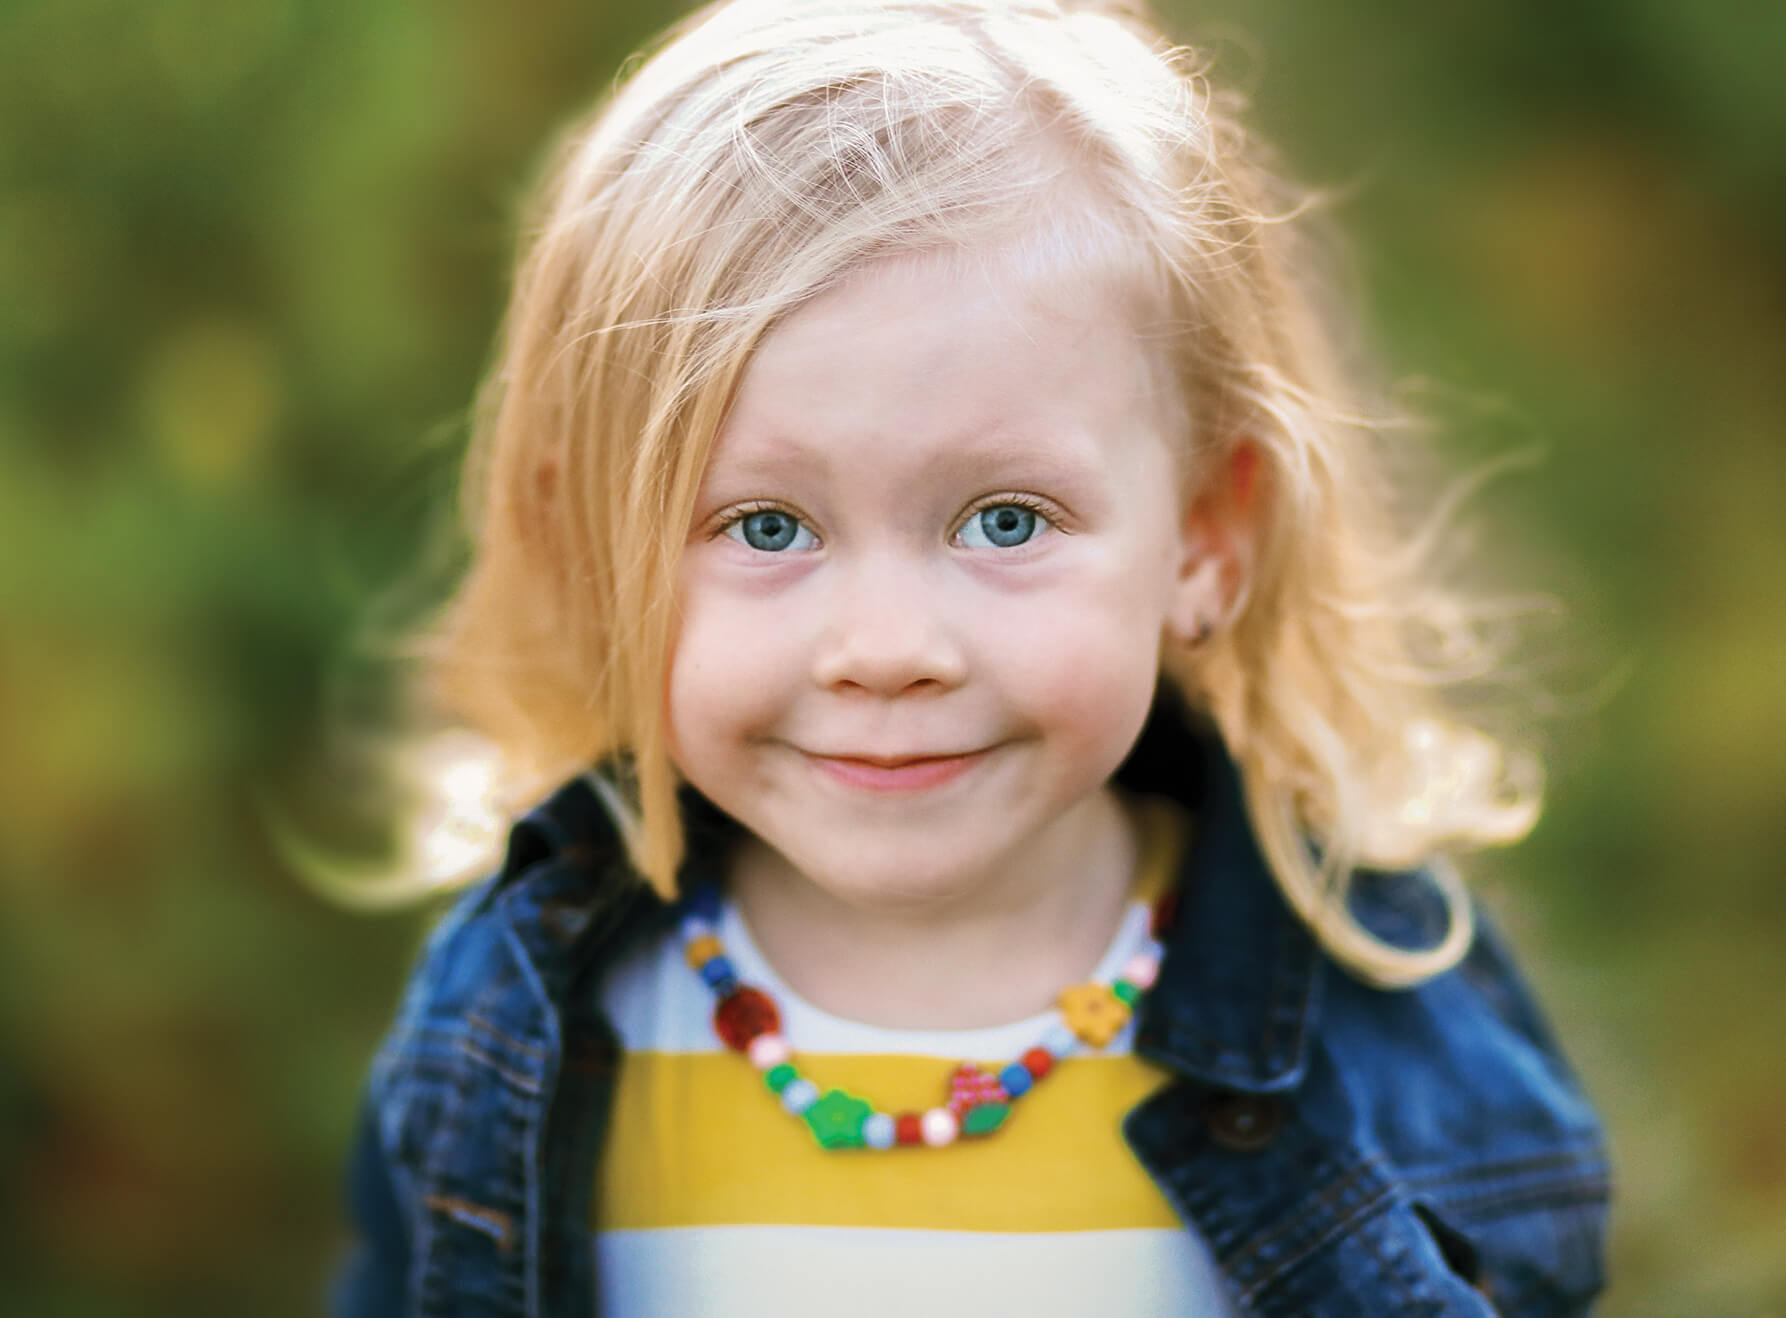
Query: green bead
x=779 y=1077
x=1125 y=991
x=836 y=1120
x=985 y=1118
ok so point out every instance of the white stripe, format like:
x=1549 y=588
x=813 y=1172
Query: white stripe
x=657 y=1003
x=793 y=1272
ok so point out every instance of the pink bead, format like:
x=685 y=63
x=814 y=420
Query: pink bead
x=768 y=1050
x=940 y=1127
x=1141 y=970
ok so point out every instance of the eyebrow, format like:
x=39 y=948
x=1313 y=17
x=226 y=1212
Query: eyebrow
x=994 y=448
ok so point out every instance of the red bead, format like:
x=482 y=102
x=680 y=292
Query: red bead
x=744 y=1014
x=908 y=1128
x=1038 y=1062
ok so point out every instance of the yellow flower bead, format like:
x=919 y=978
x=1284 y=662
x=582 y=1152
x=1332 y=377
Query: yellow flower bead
x=1094 y=1013
x=702 y=950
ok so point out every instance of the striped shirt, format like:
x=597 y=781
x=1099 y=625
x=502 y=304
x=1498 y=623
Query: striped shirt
x=710 y=1199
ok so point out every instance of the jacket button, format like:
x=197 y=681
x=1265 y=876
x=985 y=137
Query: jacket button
x=1244 y=1123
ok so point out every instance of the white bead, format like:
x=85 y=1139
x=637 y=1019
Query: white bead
x=799 y=1095
x=1059 y=1040
x=1140 y=970
x=878 y=1131
x=939 y=1127
x=768 y=1050
x=695 y=926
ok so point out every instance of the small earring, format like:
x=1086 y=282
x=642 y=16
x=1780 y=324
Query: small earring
x=1200 y=604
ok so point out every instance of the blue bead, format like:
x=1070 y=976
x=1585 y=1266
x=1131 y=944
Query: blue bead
x=1016 y=1079
x=718 y=972
x=799 y=1095
x=878 y=1131
x=1059 y=1040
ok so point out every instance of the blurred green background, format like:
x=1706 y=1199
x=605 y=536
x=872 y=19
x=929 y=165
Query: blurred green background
x=252 y=253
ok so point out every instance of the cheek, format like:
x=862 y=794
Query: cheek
x=1088 y=673
x=730 y=672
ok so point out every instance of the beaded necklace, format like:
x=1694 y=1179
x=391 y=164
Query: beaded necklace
x=978 y=1100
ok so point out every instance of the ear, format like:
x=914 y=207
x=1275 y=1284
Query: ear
x=1220 y=533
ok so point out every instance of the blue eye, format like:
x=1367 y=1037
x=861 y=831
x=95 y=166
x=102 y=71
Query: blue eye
x=1001 y=526
x=771 y=531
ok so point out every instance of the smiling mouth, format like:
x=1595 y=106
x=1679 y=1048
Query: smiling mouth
x=903 y=773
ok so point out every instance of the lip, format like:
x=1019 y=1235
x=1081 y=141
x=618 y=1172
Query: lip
x=910 y=773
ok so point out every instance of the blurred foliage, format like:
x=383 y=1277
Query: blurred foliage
x=251 y=258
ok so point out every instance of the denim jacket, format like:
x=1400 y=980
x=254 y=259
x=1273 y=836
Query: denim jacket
x=1346 y=1152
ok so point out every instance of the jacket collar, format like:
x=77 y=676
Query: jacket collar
x=565 y=888
x=1239 y=987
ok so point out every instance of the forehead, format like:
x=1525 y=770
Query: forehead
x=955 y=353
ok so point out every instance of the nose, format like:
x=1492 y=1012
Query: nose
x=887 y=633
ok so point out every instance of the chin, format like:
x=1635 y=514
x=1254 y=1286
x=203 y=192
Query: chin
x=905 y=880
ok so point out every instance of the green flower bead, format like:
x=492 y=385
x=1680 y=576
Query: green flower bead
x=779 y=1077
x=836 y=1120
x=1126 y=991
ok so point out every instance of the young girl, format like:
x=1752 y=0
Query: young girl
x=922 y=519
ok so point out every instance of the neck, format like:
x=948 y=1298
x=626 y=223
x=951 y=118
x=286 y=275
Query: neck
x=996 y=954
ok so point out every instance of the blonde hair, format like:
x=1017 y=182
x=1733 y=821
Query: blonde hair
x=771 y=146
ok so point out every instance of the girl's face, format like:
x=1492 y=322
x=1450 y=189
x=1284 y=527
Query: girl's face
x=923 y=596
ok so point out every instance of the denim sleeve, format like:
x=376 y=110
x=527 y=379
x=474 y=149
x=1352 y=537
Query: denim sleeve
x=372 y=1281
x=1460 y=1084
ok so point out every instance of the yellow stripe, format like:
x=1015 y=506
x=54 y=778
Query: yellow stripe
x=697 y=1140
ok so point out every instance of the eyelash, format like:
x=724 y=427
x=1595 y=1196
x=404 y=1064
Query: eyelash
x=732 y=516
x=1029 y=502
x=1044 y=510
